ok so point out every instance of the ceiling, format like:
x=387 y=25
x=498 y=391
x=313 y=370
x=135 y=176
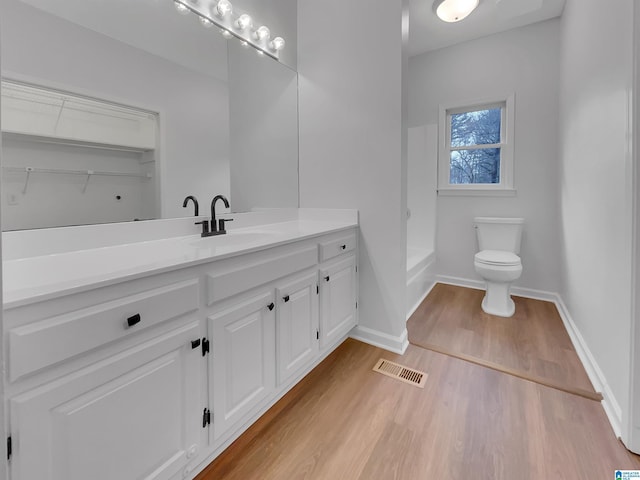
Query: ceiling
x=427 y=32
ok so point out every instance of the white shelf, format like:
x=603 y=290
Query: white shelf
x=64 y=171
x=61 y=117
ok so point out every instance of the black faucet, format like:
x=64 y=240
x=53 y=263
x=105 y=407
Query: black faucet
x=195 y=204
x=216 y=229
x=219 y=228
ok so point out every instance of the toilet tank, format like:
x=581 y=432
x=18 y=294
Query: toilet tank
x=495 y=233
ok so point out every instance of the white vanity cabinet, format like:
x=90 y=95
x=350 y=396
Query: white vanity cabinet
x=338 y=290
x=297 y=329
x=264 y=323
x=259 y=341
x=153 y=377
x=107 y=389
x=132 y=416
x=242 y=359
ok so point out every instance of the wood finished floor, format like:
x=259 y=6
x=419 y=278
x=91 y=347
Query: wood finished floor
x=344 y=421
x=533 y=343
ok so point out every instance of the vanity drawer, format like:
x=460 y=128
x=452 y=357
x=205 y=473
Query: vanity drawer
x=335 y=247
x=236 y=276
x=38 y=345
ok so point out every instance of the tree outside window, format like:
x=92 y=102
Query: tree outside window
x=476 y=148
x=474 y=156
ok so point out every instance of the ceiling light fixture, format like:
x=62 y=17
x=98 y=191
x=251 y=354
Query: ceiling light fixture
x=454 y=10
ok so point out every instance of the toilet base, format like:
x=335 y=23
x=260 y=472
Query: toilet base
x=497 y=300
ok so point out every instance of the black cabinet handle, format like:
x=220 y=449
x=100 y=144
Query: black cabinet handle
x=271 y=306
x=133 y=320
x=286 y=298
x=343 y=247
x=326 y=278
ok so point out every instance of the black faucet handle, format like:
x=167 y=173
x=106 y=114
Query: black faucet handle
x=205 y=227
x=221 y=223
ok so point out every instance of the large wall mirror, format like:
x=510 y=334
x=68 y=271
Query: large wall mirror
x=116 y=110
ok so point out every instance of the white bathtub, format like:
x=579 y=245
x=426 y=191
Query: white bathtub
x=420 y=276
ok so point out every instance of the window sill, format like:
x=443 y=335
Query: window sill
x=476 y=192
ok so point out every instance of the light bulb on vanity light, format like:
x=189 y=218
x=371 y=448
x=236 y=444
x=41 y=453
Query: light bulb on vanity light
x=262 y=33
x=277 y=44
x=181 y=8
x=243 y=22
x=224 y=8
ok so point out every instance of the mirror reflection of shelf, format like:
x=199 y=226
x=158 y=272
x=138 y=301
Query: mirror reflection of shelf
x=70 y=142
x=88 y=173
x=56 y=116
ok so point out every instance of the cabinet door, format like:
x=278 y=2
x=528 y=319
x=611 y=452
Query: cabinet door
x=337 y=300
x=242 y=359
x=296 y=324
x=136 y=415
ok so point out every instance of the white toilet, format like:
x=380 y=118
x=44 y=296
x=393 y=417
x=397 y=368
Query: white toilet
x=497 y=261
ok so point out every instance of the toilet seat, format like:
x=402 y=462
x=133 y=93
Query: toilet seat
x=498 y=258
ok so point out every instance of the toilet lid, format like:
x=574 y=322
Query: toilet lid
x=497 y=257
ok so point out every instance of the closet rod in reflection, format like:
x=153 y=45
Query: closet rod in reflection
x=88 y=173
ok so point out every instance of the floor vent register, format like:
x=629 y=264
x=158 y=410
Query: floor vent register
x=400 y=372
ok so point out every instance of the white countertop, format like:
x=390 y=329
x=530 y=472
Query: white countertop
x=32 y=279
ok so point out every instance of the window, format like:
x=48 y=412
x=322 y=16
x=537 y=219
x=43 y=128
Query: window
x=476 y=149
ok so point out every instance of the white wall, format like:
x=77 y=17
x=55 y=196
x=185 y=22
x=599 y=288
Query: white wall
x=193 y=107
x=54 y=200
x=524 y=61
x=595 y=178
x=422 y=177
x=351 y=142
x=263 y=124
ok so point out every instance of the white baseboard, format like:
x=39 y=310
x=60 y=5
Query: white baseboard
x=460 y=282
x=594 y=372
x=515 y=290
x=397 y=344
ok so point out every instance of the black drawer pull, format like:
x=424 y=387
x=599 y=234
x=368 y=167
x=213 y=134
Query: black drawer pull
x=133 y=320
x=326 y=278
x=343 y=247
x=271 y=306
x=286 y=298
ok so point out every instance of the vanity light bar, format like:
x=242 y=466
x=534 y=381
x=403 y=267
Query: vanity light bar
x=221 y=14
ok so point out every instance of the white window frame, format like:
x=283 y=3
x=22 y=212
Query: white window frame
x=506 y=186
